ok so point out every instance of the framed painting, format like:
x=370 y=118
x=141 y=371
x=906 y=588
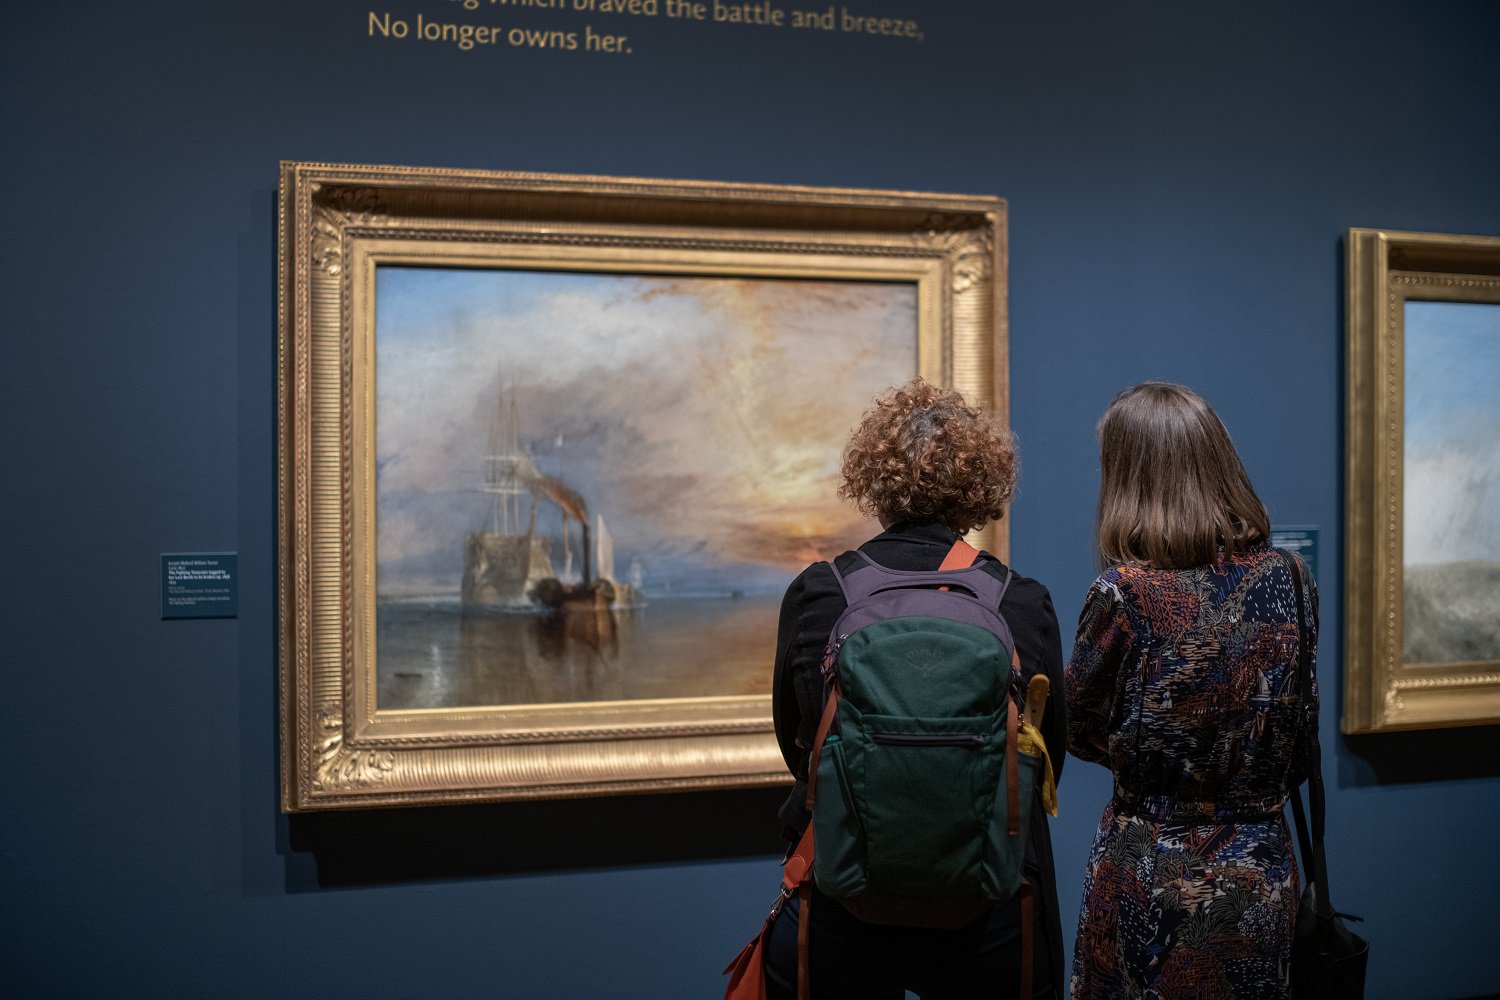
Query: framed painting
x=1423 y=482
x=552 y=447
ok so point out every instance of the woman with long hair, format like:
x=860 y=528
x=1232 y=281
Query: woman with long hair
x=1184 y=682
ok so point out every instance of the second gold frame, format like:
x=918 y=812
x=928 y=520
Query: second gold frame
x=1422 y=577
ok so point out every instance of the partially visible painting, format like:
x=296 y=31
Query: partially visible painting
x=1423 y=536
x=596 y=487
x=552 y=447
x=1451 y=496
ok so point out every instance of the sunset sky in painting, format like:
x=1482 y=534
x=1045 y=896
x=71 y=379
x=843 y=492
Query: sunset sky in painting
x=703 y=418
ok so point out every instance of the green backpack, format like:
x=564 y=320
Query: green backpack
x=919 y=797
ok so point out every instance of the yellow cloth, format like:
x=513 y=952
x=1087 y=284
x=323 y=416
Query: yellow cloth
x=1029 y=740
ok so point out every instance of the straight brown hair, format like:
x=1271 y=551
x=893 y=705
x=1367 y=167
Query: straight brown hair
x=1172 y=489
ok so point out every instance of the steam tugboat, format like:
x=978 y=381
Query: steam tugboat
x=508 y=567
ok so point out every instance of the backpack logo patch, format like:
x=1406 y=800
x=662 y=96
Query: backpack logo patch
x=925 y=660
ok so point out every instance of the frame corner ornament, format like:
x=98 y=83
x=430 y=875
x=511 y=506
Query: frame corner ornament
x=341 y=768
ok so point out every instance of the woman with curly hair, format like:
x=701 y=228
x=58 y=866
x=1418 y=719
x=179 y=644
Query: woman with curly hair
x=929 y=467
x=1184 y=683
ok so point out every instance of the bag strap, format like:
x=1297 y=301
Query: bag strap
x=960 y=556
x=746 y=970
x=803 y=875
x=1309 y=838
x=868 y=577
x=803 y=887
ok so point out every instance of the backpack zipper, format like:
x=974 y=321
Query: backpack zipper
x=929 y=739
x=829 y=665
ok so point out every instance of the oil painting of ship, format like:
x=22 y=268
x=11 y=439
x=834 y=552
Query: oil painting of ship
x=508 y=564
x=595 y=486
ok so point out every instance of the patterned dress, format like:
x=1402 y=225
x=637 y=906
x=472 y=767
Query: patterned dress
x=1184 y=684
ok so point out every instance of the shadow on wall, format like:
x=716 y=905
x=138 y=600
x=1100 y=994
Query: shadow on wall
x=392 y=846
x=1419 y=757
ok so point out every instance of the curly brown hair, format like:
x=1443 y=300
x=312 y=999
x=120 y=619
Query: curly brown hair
x=923 y=452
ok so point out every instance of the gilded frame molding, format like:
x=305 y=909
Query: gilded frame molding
x=1385 y=270
x=336 y=221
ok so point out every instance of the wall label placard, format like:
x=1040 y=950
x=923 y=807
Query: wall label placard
x=1301 y=539
x=200 y=585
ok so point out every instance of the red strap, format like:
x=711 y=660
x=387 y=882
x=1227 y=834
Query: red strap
x=747 y=975
x=961 y=555
x=796 y=876
x=796 y=869
x=830 y=709
x=747 y=979
x=804 y=939
x=799 y=865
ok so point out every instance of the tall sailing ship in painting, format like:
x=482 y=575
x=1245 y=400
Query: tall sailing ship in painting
x=508 y=564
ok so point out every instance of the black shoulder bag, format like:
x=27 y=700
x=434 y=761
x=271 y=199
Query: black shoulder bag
x=1328 y=959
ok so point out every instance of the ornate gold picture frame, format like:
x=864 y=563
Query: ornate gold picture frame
x=517 y=414
x=1422 y=567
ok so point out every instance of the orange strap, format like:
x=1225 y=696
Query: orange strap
x=804 y=939
x=796 y=869
x=796 y=876
x=961 y=555
x=747 y=979
x=804 y=889
x=830 y=709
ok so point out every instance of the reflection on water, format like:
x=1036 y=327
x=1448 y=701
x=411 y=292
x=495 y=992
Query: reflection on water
x=435 y=656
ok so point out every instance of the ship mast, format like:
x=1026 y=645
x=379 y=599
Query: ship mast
x=510 y=473
x=503 y=473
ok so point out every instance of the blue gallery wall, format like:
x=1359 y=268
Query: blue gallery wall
x=1179 y=178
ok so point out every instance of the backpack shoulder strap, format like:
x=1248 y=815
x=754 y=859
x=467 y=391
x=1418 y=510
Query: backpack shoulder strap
x=958 y=569
x=843 y=580
x=962 y=556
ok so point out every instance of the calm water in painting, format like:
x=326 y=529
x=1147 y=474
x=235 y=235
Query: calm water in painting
x=434 y=657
